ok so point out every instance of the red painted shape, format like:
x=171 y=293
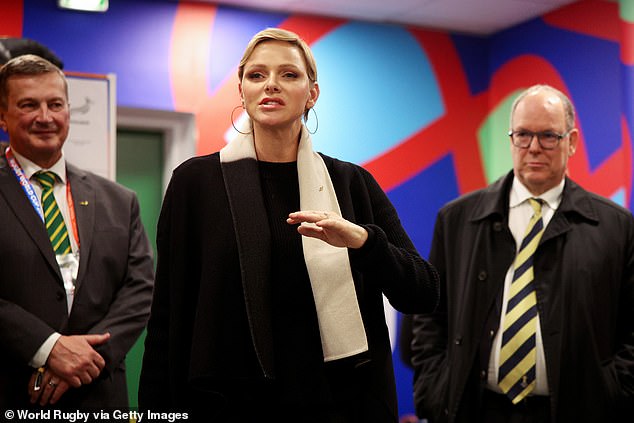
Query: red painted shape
x=189 y=59
x=591 y=17
x=527 y=70
x=11 y=19
x=454 y=133
x=189 y=54
x=596 y=18
x=310 y=28
x=626 y=153
x=627 y=43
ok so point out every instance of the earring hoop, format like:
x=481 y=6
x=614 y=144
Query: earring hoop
x=316 y=121
x=234 y=125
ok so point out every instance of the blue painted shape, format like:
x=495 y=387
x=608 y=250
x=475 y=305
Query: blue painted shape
x=131 y=40
x=589 y=77
x=233 y=28
x=417 y=202
x=474 y=54
x=404 y=378
x=377 y=89
x=619 y=197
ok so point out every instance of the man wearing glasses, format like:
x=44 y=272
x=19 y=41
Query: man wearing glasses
x=536 y=322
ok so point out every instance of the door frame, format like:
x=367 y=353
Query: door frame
x=178 y=128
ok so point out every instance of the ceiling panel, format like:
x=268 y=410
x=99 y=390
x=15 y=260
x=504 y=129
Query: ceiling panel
x=481 y=17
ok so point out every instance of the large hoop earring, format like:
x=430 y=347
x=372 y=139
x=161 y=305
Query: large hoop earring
x=234 y=125
x=316 y=121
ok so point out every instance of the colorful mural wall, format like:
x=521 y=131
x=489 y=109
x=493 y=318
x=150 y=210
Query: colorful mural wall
x=425 y=111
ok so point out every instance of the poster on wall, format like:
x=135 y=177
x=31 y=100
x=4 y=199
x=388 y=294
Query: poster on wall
x=91 y=142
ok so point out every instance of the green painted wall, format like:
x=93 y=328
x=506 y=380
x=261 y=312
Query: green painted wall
x=140 y=168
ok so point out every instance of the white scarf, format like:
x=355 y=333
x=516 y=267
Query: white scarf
x=340 y=323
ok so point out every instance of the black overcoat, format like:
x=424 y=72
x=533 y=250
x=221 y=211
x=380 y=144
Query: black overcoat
x=211 y=315
x=584 y=281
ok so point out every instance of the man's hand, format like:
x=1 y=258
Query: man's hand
x=74 y=359
x=51 y=388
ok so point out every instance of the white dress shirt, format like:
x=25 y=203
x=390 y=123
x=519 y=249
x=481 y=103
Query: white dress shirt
x=68 y=265
x=520 y=213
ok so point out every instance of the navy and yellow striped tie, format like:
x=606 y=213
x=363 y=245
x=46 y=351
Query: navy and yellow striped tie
x=517 y=356
x=53 y=218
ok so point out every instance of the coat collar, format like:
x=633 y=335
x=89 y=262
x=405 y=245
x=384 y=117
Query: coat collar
x=494 y=201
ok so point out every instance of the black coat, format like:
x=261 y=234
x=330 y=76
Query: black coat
x=210 y=326
x=584 y=276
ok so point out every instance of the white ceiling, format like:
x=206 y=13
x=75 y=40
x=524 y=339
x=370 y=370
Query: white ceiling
x=481 y=17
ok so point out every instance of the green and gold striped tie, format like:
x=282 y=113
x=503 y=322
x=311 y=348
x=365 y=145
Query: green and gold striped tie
x=517 y=356
x=53 y=219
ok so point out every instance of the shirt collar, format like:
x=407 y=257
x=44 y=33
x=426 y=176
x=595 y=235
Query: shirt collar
x=552 y=197
x=29 y=168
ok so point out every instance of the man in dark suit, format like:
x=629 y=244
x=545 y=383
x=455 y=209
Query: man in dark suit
x=76 y=270
x=536 y=322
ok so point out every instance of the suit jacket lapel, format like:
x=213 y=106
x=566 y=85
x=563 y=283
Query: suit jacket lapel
x=26 y=215
x=84 y=201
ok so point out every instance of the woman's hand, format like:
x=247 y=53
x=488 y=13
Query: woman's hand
x=329 y=227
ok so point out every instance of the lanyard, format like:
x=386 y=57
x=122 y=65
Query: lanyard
x=32 y=196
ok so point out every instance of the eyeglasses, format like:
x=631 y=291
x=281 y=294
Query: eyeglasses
x=547 y=140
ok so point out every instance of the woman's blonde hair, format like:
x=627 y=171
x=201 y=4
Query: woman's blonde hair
x=277 y=34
